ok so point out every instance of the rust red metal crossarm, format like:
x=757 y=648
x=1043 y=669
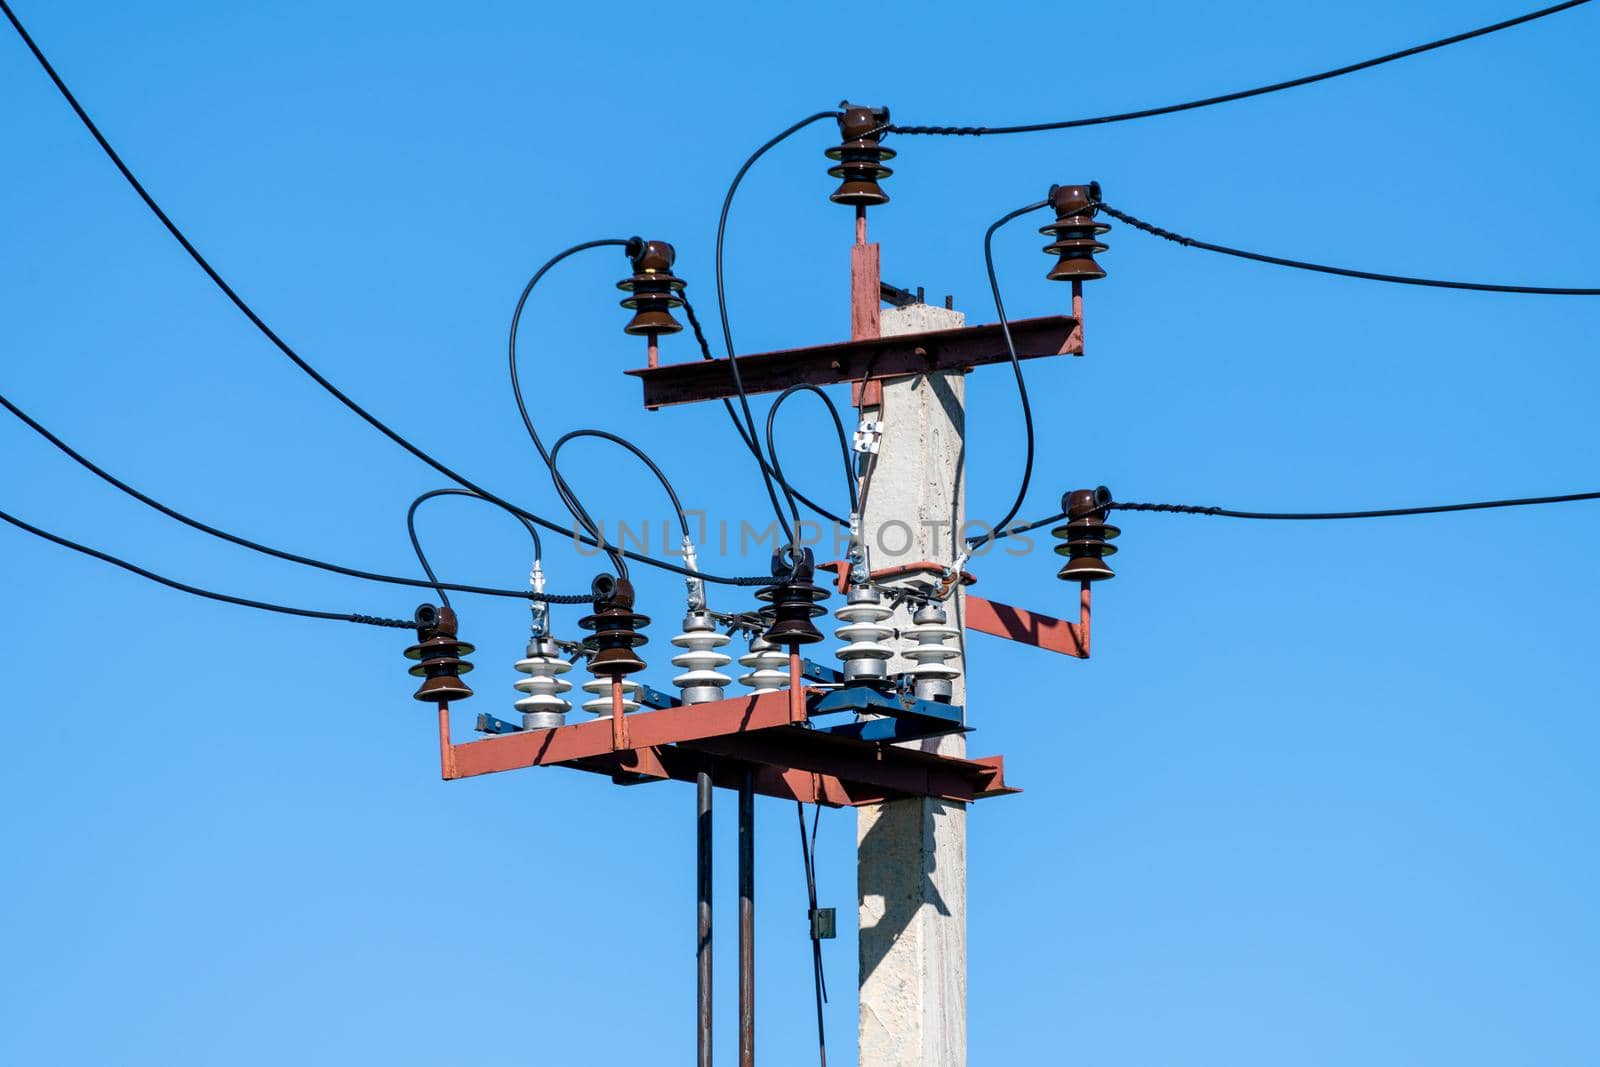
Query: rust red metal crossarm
x=865 y=358
x=990 y=616
x=726 y=737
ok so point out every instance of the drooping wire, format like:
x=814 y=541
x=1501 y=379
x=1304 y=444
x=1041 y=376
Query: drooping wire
x=808 y=855
x=790 y=491
x=194 y=590
x=267 y=550
x=722 y=308
x=1016 y=364
x=422 y=558
x=1225 y=98
x=295 y=358
x=1302 y=516
x=1343 y=272
x=844 y=445
x=563 y=490
x=1381 y=513
x=581 y=513
x=980 y=540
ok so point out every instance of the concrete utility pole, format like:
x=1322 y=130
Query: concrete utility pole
x=911 y=855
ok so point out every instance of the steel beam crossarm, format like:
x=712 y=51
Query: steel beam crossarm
x=866 y=358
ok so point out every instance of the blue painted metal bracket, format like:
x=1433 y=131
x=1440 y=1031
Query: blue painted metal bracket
x=488 y=724
x=656 y=699
x=902 y=718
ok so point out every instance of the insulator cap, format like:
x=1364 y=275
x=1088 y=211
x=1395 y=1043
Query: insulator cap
x=654 y=288
x=1076 y=233
x=616 y=628
x=1086 y=537
x=860 y=156
x=795 y=600
x=438 y=654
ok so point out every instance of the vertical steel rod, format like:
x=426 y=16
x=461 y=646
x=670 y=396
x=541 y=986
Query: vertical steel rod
x=703 y=916
x=747 y=920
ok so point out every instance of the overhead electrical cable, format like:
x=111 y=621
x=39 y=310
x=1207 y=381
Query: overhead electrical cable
x=1381 y=513
x=844 y=445
x=440 y=587
x=1244 y=94
x=1016 y=364
x=755 y=450
x=722 y=306
x=294 y=357
x=582 y=514
x=1343 y=272
x=563 y=490
x=277 y=553
x=194 y=590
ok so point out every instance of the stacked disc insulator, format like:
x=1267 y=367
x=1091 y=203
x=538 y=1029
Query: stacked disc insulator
x=767 y=667
x=1086 y=536
x=543 y=707
x=652 y=289
x=702 y=680
x=1076 y=233
x=860 y=157
x=616 y=635
x=865 y=656
x=439 y=653
x=793 y=599
x=933 y=672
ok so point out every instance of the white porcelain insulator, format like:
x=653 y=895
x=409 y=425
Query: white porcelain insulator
x=864 y=654
x=601 y=688
x=932 y=671
x=702 y=679
x=542 y=686
x=768 y=667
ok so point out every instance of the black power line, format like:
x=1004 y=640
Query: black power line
x=1016 y=364
x=790 y=492
x=294 y=357
x=193 y=590
x=1381 y=513
x=722 y=308
x=1343 y=272
x=267 y=550
x=1243 y=94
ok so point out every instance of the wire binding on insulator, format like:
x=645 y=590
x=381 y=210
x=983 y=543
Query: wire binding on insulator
x=768 y=667
x=653 y=289
x=702 y=680
x=1086 y=536
x=933 y=674
x=543 y=707
x=865 y=656
x=1076 y=233
x=860 y=157
x=439 y=653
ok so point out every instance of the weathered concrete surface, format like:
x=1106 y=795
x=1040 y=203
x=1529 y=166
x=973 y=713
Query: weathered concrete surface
x=912 y=854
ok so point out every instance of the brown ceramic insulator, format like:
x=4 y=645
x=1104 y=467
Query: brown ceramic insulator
x=860 y=157
x=439 y=653
x=653 y=288
x=793 y=601
x=616 y=629
x=1076 y=233
x=1086 y=537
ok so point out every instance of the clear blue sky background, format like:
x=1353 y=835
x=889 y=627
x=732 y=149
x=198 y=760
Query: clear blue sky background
x=1325 y=795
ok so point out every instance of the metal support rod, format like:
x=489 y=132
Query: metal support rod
x=619 y=728
x=703 y=917
x=747 y=920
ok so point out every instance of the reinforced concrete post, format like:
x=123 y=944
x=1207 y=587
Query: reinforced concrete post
x=911 y=855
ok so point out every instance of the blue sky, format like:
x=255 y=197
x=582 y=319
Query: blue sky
x=1325 y=794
